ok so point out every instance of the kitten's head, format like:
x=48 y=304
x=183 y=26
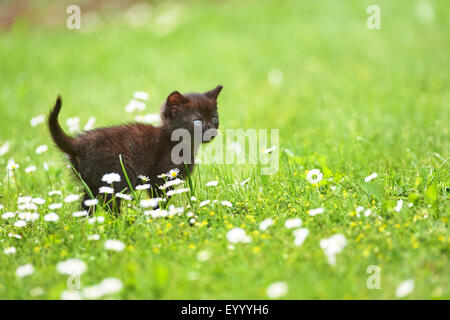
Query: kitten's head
x=192 y=110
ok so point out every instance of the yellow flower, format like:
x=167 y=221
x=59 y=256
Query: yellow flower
x=191 y=246
x=155 y=250
x=256 y=249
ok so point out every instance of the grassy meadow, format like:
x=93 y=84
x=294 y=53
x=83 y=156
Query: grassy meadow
x=347 y=100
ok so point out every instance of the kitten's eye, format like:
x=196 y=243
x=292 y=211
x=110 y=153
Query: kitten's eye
x=214 y=120
x=198 y=123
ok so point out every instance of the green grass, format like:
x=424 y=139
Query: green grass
x=353 y=101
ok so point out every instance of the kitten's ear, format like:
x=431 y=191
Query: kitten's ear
x=214 y=93
x=174 y=104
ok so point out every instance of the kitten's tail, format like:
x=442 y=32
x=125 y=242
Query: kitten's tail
x=61 y=139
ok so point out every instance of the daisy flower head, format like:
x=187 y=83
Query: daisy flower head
x=177 y=191
x=314 y=176
x=41 y=149
x=55 y=206
x=114 y=245
x=141 y=95
x=300 y=236
x=171 y=183
x=104 y=189
x=25 y=270
x=71 y=267
x=293 y=223
x=265 y=224
x=91 y=202
x=371 y=177
x=317 y=211
x=236 y=235
x=142 y=187
x=405 y=288
x=172 y=174
x=71 y=198
x=30 y=169
x=277 y=290
x=12 y=165
x=123 y=196
x=143 y=178
x=212 y=183
x=332 y=246
x=37 y=120
x=51 y=217
x=9 y=250
x=111 y=178
x=4 y=148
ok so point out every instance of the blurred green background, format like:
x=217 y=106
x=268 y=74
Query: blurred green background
x=345 y=98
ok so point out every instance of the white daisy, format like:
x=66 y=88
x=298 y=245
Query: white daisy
x=203 y=255
x=265 y=224
x=41 y=149
x=55 y=206
x=27 y=206
x=73 y=124
x=277 y=290
x=226 y=203
x=177 y=191
x=93 y=237
x=111 y=285
x=28 y=216
x=293 y=223
x=90 y=124
x=111 y=178
x=114 y=245
x=236 y=235
x=20 y=224
x=134 y=105
x=38 y=201
x=51 y=217
x=148 y=118
x=405 y=288
x=143 y=178
x=107 y=190
x=371 y=177
x=123 y=196
x=300 y=236
x=25 y=270
x=37 y=120
x=212 y=183
x=8 y=215
x=142 y=187
x=71 y=295
x=333 y=246
x=74 y=267
x=317 y=211
x=71 y=198
x=30 y=169
x=141 y=95
x=149 y=203
x=4 y=148
x=80 y=214
x=91 y=202
x=204 y=203
x=12 y=165
x=399 y=206
x=314 y=176
x=9 y=250
x=25 y=199
x=55 y=192
x=171 y=183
